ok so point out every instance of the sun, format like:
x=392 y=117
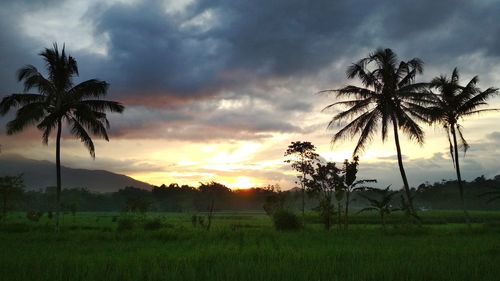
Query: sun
x=243 y=183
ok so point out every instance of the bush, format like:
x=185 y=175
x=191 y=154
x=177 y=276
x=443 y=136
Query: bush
x=34 y=215
x=153 y=224
x=125 y=224
x=285 y=220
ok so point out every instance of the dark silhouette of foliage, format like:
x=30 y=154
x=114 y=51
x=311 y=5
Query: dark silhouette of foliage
x=275 y=201
x=389 y=96
x=350 y=184
x=381 y=202
x=452 y=103
x=327 y=183
x=58 y=100
x=11 y=187
x=34 y=215
x=153 y=224
x=125 y=224
x=286 y=221
x=303 y=158
x=212 y=192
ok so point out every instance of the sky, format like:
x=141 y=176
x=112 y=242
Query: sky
x=217 y=89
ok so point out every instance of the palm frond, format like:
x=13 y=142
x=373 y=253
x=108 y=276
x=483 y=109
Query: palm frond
x=16 y=100
x=78 y=131
x=89 y=89
x=26 y=116
x=103 y=105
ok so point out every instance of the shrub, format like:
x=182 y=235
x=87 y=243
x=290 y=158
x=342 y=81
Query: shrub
x=153 y=224
x=125 y=224
x=285 y=220
x=34 y=215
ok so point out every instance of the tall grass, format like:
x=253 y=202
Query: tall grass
x=247 y=248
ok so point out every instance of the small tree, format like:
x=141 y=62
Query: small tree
x=10 y=188
x=382 y=202
x=350 y=184
x=303 y=158
x=327 y=183
x=275 y=201
x=212 y=191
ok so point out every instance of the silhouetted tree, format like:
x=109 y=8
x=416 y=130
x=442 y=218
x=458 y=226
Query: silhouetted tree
x=212 y=192
x=381 y=202
x=10 y=188
x=452 y=103
x=350 y=184
x=327 y=182
x=59 y=100
x=275 y=200
x=303 y=159
x=389 y=96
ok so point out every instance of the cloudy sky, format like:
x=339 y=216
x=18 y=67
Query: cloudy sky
x=217 y=89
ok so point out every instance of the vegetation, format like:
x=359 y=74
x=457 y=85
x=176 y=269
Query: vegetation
x=58 y=100
x=11 y=187
x=380 y=203
x=303 y=159
x=244 y=246
x=286 y=220
x=389 y=97
x=452 y=103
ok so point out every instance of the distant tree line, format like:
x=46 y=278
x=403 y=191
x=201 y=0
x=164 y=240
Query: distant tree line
x=189 y=199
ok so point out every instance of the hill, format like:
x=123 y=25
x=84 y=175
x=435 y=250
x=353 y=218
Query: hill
x=40 y=174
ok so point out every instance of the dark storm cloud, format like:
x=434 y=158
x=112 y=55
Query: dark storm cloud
x=246 y=40
x=212 y=47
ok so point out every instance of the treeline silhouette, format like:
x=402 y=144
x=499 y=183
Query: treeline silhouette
x=189 y=199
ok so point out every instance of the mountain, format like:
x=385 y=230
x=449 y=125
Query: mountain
x=40 y=174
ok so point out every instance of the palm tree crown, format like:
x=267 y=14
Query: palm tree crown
x=58 y=100
x=452 y=103
x=389 y=96
x=455 y=102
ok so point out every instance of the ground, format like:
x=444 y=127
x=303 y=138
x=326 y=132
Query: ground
x=244 y=246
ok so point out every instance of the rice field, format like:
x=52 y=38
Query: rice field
x=245 y=246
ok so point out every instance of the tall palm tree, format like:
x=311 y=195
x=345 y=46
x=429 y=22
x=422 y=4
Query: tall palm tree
x=389 y=96
x=58 y=100
x=452 y=103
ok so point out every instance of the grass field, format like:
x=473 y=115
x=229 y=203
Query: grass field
x=245 y=246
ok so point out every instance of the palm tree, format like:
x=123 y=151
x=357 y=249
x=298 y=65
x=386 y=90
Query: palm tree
x=389 y=96
x=59 y=100
x=452 y=103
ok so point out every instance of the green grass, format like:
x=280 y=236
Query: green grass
x=244 y=246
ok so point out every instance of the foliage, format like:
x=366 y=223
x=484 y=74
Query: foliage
x=389 y=96
x=350 y=184
x=153 y=224
x=125 y=224
x=87 y=250
x=284 y=220
x=11 y=187
x=326 y=181
x=58 y=100
x=275 y=201
x=34 y=215
x=381 y=202
x=452 y=103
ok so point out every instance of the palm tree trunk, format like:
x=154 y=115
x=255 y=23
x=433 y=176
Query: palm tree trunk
x=346 y=215
x=401 y=168
x=303 y=192
x=459 y=176
x=58 y=172
x=4 y=209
